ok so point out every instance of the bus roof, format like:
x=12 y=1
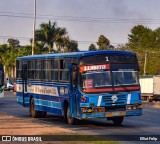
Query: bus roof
x=73 y=54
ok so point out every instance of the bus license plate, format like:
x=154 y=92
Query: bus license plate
x=118 y=113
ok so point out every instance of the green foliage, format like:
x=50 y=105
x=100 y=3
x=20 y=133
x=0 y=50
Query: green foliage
x=49 y=33
x=64 y=44
x=92 y=47
x=142 y=40
x=9 y=54
x=14 y=43
x=103 y=43
x=72 y=46
x=25 y=50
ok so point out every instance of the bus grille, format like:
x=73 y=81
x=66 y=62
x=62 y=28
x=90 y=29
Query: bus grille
x=120 y=101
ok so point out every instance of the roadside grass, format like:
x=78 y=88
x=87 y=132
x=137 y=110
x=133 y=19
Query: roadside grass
x=72 y=138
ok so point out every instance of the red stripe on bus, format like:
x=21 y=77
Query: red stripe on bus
x=111 y=89
x=127 y=88
x=99 y=90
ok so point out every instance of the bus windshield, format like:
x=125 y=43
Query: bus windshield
x=100 y=79
x=108 y=73
x=96 y=79
x=125 y=78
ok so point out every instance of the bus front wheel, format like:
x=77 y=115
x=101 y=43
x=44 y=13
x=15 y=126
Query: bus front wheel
x=70 y=119
x=118 y=120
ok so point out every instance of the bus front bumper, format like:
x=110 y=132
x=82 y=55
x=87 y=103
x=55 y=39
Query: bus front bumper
x=112 y=114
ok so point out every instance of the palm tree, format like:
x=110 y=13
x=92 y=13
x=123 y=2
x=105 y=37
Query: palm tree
x=49 y=33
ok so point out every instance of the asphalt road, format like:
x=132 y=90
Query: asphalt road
x=148 y=124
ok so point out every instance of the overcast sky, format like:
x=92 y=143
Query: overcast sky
x=85 y=20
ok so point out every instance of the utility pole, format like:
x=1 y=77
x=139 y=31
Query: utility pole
x=145 y=62
x=34 y=25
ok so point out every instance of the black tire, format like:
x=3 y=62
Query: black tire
x=70 y=119
x=33 y=113
x=118 y=120
x=65 y=112
x=42 y=114
x=149 y=99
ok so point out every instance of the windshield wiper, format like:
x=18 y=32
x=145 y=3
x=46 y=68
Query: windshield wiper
x=121 y=84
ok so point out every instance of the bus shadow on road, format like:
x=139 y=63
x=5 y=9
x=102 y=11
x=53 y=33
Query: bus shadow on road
x=89 y=123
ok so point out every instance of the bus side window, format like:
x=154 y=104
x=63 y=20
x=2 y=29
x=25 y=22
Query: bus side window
x=24 y=72
x=54 y=70
x=46 y=70
x=31 y=67
x=64 y=70
x=19 y=69
x=38 y=70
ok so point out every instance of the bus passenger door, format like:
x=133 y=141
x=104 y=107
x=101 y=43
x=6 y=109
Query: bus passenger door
x=73 y=92
x=24 y=81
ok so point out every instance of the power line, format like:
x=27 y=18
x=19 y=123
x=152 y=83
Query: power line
x=28 y=39
x=102 y=18
x=79 y=19
x=22 y=38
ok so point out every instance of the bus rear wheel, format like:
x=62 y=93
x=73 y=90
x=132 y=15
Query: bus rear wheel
x=35 y=113
x=70 y=119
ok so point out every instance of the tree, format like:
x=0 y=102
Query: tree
x=3 y=49
x=9 y=55
x=144 y=40
x=157 y=38
x=141 y=38
x=72 y=46
x=25 y=50
x=13 y=43
x=66 y=45
x=49 y=33
x=103 y=43
x=92 y=47
x=123 y=47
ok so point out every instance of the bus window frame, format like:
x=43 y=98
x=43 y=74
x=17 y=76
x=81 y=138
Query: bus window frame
x=46 y=70
x=63 y=69
x=19 y=68
x=52 y=70
x=32 y=69
x=38 y=79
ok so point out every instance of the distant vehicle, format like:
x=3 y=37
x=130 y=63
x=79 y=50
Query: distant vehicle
x=156 y=88
x=9 y=84
x=1 y=80
x=150 y=87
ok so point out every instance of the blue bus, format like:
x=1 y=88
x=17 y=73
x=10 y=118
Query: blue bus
x=80 y=85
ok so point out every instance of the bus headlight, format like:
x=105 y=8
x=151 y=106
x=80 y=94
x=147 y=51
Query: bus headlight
x=131 y=107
